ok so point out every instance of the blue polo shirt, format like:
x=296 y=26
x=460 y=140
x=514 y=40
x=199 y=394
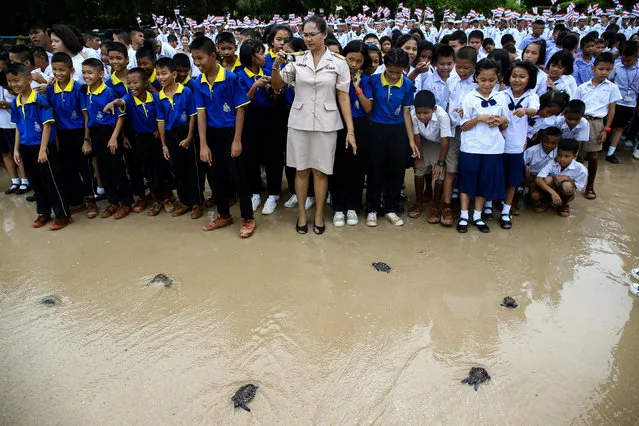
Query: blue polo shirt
x=582 y=70
x=94 y=102
x=142 y=115
x=356 y=109
x=117 y=85
x=154 y=81
x=269 y=59
x=30 y=116
x=177 y=111
x=389 y=100
x=220 y=99
x=66 y=105
x=262 y=97
x=190 y=83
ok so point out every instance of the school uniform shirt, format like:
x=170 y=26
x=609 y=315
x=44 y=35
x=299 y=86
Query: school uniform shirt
x=598 y=98
x=29 y=116
x=526 y=41
x=582 y=70
x=77 y=69
x=568 y=84
x=220 y=98
x=575 y=171
x=517 y=131
x=457 y=91
x=67 y=105
x=262 y=97
x=94 y=102
x=356 y=108
x=432 y=81
x=133 y=61
x=536 y=123
x=153 y=79
x=190 y=82
x=482 y=139
x=438 y=126
x=91 y=53
x=627 y=80
x=389 y=100
x=117 y=85
x=269 y=59
x=141 y=114
x=542 y=82
x=177 y=112
x=581 y=132
x=536 y=158
x=5 y=114
x=343 y=39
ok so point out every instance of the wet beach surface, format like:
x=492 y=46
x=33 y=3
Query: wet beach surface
x=326 y=337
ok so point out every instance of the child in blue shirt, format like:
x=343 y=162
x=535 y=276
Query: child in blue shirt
x=119 y=61
x=145 y=58
x=33 y=117
x=626 y=77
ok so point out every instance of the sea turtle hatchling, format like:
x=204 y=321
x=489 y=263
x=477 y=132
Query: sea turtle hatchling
x=476 y=375
x=244 y=395
x=50 y=300
x=381 y=267
x=509 y=302
x=162 y=279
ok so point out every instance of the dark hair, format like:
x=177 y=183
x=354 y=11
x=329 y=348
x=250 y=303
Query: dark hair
x=273 y=32
x=182 y=60
x=467 y=52
x=561 y=37
x=459 y=36
x=385 y=39
x=630 y=48
x=62 y=58
x=425 y=99
x=396 y=57
x=444 y=51
x=150 y=34
x=476 y=34
x=368 y=62
x=41 y=53
x=250 y=33
x=484 y=65
x=395 y=34
x=249 y=48
x=354 y=46
x=223 y=37
x=541 y=60
x=563 y=58
x=539 y=22
x=488 y=42
x=606 y=58
x=371 y=35
x=620 y=37
x=575 y=106
x=320 y=22
x=510 y=48
x=609 y=38
x=332 y=41
x=23 y=52
x=613 y=27
x=558 y=28
x=68 y=37
x=37 y=25
x=507 y=39
x=18 y=69
x=552 y=131
x=146 y=51
x=418 y=32
x=140 y=72
x=568 y=145
x=445 y=40
x=297 y=44
x=90 y=36
x=502 y=58
x=529 y=67
x=554 y=97
x=117 y=47
x=206 y=45
x=3 y=78
x=171 y=37
x=166 y=63
x=403 y=39
x=125 y=37
x=96 y=64
x=586 y=40
x=571 y=41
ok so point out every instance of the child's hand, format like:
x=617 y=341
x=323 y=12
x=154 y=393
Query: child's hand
x=42 y=156
x=186 y=143
x=603 y=136
x=126 y=143
x=262 y=82
x=17 y=158
x=113 y=145
x=459 y=111
x=357 y=78
x=165 y=152
x=484 y=118
x=556 y=199
x=416 y=153
x=156 y=134
x=236 y=148
x=422 y=67
x=519 y=112
x=205 y=155
x=551 y=85
x=86 y=148
x=109 y=108
x=41 y=89
x=438 y=171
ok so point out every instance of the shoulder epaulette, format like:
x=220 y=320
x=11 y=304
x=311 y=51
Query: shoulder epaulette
x=337 y=55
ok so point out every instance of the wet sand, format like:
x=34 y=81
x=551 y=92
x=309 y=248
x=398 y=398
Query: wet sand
x=328 y=339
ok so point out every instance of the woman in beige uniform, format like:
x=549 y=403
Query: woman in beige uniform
x=321 y=80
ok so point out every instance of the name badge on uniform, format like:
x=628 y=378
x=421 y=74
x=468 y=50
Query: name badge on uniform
x=37 y=128
x=629 y=97
x=226 y=107
x=99 y=116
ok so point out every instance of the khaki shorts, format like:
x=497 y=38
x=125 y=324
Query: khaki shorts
x=430 y=155
x=452 y=156
x=596 y=127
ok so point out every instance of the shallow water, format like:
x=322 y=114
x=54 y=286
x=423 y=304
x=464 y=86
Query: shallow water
x=328 y=339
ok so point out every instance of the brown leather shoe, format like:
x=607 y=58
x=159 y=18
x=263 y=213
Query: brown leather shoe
x=109 y=211
x=60 y=223
x=92 y=210
x=210 y=202
x=156 y=207
x=416 y=210
x=140 y=205
x=447 y=217
x=123 y=211
x=180 y=209
x=590 y=193
x=564 y=210
x=169 y=205
x=219 y=222
x=196 y=213
x=41 y=220
x=248 y=228
x=434 y=216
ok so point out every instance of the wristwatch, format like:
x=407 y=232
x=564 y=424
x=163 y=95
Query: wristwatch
x=87 y=140
x=441 y=163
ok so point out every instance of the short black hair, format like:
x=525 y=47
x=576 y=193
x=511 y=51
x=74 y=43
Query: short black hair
x=140 y=72
x=571 y=41
x=249 y=48
x=488 y=42
x=273 y=32
x=354 y=46
x=586 y=40
x=630 y=48
x=605 y=58
x=96 y=64
x=371 y=35
x=459 y=36
x=62 y=58
x=125 y=37
x=539 y=22
x=171 y=37
x=502 y=58
x=23 y=52
x=320 y=22
x=117 y=47
x=552 y=131
x=182 y=60
x=563 y=58
x=554 y=97
x=425 y=99
x=467 y=52
x=332 y=41
x=397 y=57
x=575 y=106
x=145 y=51
x=476 y=34
x=403 y=39
x=18 y=69
x=529 y=67
x=444 y=51
x=223 y=37
x=507 y=39
x=568 y=145
x=297 y=44
x=486 y=64
x=166 y=63
x=384 y=39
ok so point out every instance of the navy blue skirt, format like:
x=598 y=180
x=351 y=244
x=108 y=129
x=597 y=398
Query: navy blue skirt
x=482 y=175
x=514 y=169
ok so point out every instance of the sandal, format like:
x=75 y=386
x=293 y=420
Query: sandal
x=590 y=193
x=564 y=210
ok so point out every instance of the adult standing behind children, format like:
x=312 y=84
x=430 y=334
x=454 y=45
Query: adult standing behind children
x=315 y=119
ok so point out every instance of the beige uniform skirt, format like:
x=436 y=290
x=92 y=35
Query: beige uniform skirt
x=306 y=149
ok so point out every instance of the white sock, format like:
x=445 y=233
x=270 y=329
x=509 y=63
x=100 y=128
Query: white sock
x=274 y=197
x=15 y=181
x=25 y=181
x=100 y=191
x=488 y=204
x=463 y=214
x=506 y=209
x=476 y=215
x=256 y=196
x=611 y=150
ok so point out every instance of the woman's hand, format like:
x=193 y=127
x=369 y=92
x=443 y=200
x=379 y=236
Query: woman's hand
x=350 y=140
x=280 y=58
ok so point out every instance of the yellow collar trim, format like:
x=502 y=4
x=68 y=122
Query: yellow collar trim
x=272 y=53
x=97 y=91
x=149 y=99
x=31 y=99
x=153 y=77
x=397 y=84
x=180 y=89
x=251 y=74
x=221 y=76
x=116 y=80
x=68 y=88
x=237 y=63
x=186 y=80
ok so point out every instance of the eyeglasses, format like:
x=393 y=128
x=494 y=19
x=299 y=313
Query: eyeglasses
x=311 y=35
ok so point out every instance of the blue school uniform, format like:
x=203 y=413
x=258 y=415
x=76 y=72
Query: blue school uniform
x=220 y=99
x=389 y=100
x=356 y=109
x=190 y=83
x=269 y=59
x=582 y=70
x=117 y=85
x=94 y=102
x=262 y=97
x=176 y=112
x=154 y=81
x=30 y=116
x=66 y=104
x=141 y=115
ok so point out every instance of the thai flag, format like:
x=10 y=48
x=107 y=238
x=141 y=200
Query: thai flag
x=446 y=12
x=553 y=2
x=610 y=11
x=160 y=19
x=547 y=13
x=386 y=12
x=635 y=10
x=406 y=11
x=365 y=8
x=338 y=8
x=155 y=17
x=453 y=15
x=177 y=12
x=380 y=11
x=429 y=10
x=534 y=10
x=419 y=12
x=310 y=13
x=508 y=14
x=137 y=18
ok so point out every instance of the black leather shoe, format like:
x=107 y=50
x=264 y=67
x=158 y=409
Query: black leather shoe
x=319 y=230
x=21 y=191
x=12 y=189
x=487 y=214
x=481 y=225
x=301 y=229
x=612 y=159
x=462 y=225
x=505 y=221
x=30 y=198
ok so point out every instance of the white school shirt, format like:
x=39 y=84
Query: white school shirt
x=575 y=171
x=581 y=132
x=133 y=62
x=517 y=131
x=568 y=84
x=433 y=82
x=627 y=80
x=457 y=91
x=438 y=126
x=482 y=139
x=5 y=114
x=536 y=123
x=542 y=82
x=598 y=98
x=536 y=158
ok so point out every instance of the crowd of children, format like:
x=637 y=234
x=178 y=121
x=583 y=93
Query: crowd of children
x=476 y=123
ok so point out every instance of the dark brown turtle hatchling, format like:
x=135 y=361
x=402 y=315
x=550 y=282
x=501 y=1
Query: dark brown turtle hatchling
x=509 y=302
x=244 y=395
x=381 y=267
x=476 y=375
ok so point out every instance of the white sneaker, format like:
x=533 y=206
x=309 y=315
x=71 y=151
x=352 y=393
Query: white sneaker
x=371 y=219
x=256 y=201
x=310 y=202
x=270 y=205
x=635 y=273
x=635 y=155
x=629 y=143
x=291 y=202
x=351 y=218
x=634 y=289
x=338 y=219
x=394 y=219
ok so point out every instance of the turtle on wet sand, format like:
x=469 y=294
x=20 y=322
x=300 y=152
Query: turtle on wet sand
x=162 y=279
x=244 y=395
x=476 y=375
x=50 y=300
x=509 y=302
x=381 y=267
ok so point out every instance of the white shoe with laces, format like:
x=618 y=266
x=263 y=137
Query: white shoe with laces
x=394 y=219
x=351 y=218
x=270 y=205
x=291 y=202
x=310 y=202
x=256 y=200
x=338 y=220
x=635 y=273
x=371 y=219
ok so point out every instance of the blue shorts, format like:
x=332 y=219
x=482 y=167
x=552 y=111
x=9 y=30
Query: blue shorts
x=482 y=175
x=514 y=169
